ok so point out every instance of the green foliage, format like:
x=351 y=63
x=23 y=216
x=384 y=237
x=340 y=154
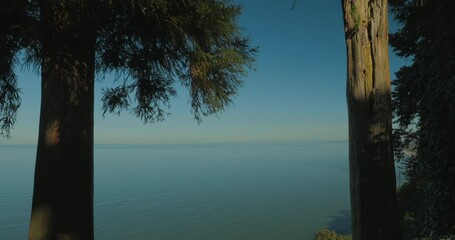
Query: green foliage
x=424 y=109
x=9 y=101
x=11 y=41
x=156 y=42
x=149 y=45
x=9 y=92
x=447 y=237
x=329 y=235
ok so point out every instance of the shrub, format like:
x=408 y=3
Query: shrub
x=325 y=234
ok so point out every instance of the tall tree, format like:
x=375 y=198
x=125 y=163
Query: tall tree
x=424 y=104
x=372 y=173
x=151 y=44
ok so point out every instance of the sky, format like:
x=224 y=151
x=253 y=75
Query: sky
x=297 y=91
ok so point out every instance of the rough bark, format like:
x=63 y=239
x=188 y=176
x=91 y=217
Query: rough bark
x=372 y=173
x=63 y=191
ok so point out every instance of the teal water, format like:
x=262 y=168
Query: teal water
x=214 y=191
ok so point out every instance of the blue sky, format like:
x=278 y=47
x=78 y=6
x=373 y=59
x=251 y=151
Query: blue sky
x=297 y=91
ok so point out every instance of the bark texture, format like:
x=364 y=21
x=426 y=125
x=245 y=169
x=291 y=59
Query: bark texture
x=372 y=172
x=63 y=191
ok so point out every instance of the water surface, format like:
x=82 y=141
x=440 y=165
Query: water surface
x=208 y=191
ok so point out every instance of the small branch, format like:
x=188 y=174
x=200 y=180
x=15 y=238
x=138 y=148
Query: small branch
x=293 y=5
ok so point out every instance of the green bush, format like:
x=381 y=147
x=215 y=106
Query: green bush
x=325 y=234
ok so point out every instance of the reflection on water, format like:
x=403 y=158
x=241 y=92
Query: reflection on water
x=216 y=192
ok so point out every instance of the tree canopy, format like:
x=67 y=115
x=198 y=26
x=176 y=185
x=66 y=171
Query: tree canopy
x=424 y=108
x=149 y=45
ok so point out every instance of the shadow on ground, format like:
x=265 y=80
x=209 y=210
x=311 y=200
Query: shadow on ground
x=341 y=222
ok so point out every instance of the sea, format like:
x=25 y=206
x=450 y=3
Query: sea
x=230 y=191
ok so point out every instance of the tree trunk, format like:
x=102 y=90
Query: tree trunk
x=372 y=172
x=63 y=191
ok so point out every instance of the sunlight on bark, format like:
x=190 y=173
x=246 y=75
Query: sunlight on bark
x=52 y=136
x=41 y=218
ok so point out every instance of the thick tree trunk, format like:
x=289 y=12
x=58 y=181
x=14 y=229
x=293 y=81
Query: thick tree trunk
x=372 y=173
x=63 y=191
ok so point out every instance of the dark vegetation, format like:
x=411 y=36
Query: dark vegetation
x=424 y=110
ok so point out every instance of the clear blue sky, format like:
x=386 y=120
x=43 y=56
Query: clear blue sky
x=296 y=93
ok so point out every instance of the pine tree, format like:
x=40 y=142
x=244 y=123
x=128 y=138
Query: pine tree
x=151 y=44
x=424 y=107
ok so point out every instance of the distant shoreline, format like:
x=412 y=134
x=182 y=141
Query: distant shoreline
x=232 y=143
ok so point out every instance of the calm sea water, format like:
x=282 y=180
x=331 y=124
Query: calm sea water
x=267 y=191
